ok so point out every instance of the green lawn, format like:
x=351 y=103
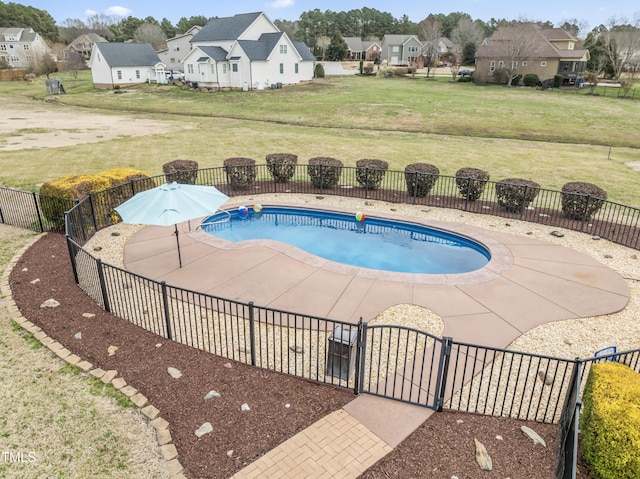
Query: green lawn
x=544 y=136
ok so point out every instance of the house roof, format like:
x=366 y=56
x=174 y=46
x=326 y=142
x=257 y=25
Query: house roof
x=399 y=39
x=304 y=52
x=261 y=49
x=228 y=28
x=542 y=45
x=446 y=42
x=218 y=54
x=127 y=54
x=354 y=44
x=22 y=34
x=367 y=44
x=92 y=37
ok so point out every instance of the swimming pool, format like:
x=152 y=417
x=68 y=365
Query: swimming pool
x=374 y=243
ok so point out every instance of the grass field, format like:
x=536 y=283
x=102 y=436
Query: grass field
x=510 y=132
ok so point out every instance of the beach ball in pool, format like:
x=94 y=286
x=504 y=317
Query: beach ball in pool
x=360 y=216
x=243 y=211
x=257 y=207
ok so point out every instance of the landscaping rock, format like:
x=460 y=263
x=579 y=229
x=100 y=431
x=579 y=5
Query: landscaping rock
x=174 y=373
x=534 y=436
x=211 y=394
x=206 y=428
x=50 y=303
x=482 y=456
x=78 y=335
x=245 y=407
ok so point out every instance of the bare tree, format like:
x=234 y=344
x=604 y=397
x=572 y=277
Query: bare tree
x=323 y=42
x=74 y=63
x=42 y=63
x=150 y=33
x=621 y=42
x=429 y=33
x=513 y=45
x=577 y=28
x=466 y=31
x=453 y=59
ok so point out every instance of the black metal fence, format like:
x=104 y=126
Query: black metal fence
x=390 y=361
x=24 y=209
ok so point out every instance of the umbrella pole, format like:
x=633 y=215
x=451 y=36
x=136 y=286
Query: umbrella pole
x=178 y=241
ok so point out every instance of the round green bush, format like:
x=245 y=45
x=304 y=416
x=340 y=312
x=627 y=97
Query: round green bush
x=324 y=172
x=282 y=166
x=370 y=173
x=420 y=178
x=581 y=200
x=318 y=71
x=530 y=79
x=515 y=194
x=471 y=182
x=241 y=172
x=181 y=171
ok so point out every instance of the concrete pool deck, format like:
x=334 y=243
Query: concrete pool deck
x=528 y=282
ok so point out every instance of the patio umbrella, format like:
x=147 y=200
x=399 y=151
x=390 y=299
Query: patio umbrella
x=170 y=204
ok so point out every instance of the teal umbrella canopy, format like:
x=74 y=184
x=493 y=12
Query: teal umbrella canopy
x=170 y=204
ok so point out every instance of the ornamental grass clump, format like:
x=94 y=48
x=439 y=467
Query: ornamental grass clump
x=420 y=178
x=370 y=173
x=471 y=182
x=515 y=194
x=610 y=422
x=324 y=172
x=581 y=200
x=241 y=172
x=181 y=171
x=282 y=166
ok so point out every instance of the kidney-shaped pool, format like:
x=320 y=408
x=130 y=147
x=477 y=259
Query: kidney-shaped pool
x=373 y=243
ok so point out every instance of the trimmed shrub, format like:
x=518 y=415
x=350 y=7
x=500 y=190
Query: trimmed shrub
x=558 y=80
x=241 y=172
x=610 y=422
x=401 y=71
x=181 y=171
x=282 y=166
x=324 y=172
x=516 y=81
x=515 y=194
x=318 y=71
x=530 y=79
x=581 y=200
x=77 y=187
x=471 y=182
x=370 y=173
x=420 y=178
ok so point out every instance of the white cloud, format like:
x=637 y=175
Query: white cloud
x=281 y=3
x=118 y=11
x=90 y=13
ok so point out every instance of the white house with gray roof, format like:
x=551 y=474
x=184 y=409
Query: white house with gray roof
x=122 y=64
x=19 y=47
x=246 y=51
x=177 y=49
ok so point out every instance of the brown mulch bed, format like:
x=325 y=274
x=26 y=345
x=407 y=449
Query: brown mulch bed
x=442 y=447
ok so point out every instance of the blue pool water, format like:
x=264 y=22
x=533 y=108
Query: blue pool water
x=373 y=243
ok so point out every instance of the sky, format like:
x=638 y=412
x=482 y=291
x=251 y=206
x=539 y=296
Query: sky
x=591 y=12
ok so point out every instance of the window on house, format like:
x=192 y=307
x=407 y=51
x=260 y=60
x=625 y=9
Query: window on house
x=543 y=64
x=571 y=45
x=137 y=74
x=395 y=49
x=524 y=64
x=11 y=38
x=3 y=47
x=492 y=66
x=514 y=65
x=14 y=58
x=213 y=69
x=26 y=47
x=296 y=68
x=28 y=58
x=234 y=68
x=119 y=74
x=172 y=60
x=283 y=49
x=176 y=47
x=224 y=68
x=281 y=68
x=190 y=68
x=501 y=64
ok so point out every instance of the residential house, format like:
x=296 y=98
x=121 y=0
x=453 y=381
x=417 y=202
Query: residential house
x=177 y=49
x=359 y=49
x=544 y=51
x=246 y=51
x=19 y=47
x=83 y=45
x=400 y=49
x=122 y=64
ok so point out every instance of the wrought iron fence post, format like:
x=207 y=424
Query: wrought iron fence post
x=466 y=197
x=103 y=286
x=366 y=182
x=524 y=201
x=359 y=358
x=71 y=248
x=93 y=212
x=35 y=203
x=443 y=370
x=321 y=176
x=584 y=216
x=415 y=187
x=252 y=334
x=165 y=303
x=576 y=418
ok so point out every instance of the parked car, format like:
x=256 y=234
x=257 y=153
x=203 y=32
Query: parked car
x=175 y=75
x=465 y=73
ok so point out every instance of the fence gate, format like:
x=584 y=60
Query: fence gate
x=403 y=364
